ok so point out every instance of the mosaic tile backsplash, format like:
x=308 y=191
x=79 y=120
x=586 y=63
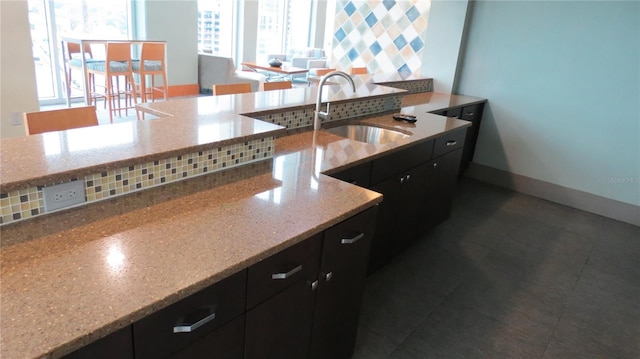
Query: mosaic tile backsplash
x=381 y=35
x=29 y=203
x=304 y=117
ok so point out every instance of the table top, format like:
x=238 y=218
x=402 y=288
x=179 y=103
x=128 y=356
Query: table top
x=284 y=69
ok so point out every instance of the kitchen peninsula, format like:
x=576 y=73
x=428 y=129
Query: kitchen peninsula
x=72 y=277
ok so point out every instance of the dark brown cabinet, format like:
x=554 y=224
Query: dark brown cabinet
x=417 y=185
x=192 y=320
x=472 y=113
x=345 y=251
x=280 y=302
x=115 y=345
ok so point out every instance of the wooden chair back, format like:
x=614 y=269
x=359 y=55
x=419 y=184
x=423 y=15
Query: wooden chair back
x=74 y=48
x=59 y=120
x=278 y=85
x=119 y=51
x=153 y=51
x=230 y=89
x=322 y=72
x=359 y=70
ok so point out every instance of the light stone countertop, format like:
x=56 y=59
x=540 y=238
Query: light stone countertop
x=73 y=277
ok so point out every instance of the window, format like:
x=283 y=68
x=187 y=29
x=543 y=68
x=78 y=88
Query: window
x=215 y=27
x=283 y=25
x=51 y=20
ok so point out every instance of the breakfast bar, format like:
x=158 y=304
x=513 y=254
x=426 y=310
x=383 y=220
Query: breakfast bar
x=75 y=276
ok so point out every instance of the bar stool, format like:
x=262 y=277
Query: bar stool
x=118 y=58
x=73 y=59
x=152 y=63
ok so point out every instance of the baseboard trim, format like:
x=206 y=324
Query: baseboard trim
x=585 y=201
x=184 y=90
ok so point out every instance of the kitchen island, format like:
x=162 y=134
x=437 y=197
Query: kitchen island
x=72 y=277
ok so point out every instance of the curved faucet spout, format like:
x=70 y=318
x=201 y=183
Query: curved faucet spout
x=319 y=115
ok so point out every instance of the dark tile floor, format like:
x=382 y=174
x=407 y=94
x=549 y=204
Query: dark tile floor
x=508 y=276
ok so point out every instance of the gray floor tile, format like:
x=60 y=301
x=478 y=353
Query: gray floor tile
x=509 y=276
x=371 y=345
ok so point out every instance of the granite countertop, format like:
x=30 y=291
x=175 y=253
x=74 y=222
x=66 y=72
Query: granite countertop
x=72 y=277
x=62 y=155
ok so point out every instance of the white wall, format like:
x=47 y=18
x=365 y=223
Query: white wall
x=443 y=42
x=175 y=22
x=18 y=92
x=562 y=79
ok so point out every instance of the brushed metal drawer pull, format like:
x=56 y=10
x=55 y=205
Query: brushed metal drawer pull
x=287 y=274
x=352 y=240
x=452 y=143
x=190 y=328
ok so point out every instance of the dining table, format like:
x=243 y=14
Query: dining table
x=278 y=72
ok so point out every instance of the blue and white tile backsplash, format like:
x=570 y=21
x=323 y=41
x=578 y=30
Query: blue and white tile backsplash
x=380 y=35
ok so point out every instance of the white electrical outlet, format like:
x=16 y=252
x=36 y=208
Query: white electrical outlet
x=63 y=195
x=16 y=118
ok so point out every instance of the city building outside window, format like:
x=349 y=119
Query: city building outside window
x=215 y=27
x=283 y=25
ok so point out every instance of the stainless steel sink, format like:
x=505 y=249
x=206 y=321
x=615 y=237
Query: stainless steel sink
x=368 y=134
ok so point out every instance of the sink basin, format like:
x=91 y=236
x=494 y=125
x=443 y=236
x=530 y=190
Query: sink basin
x=367 y=134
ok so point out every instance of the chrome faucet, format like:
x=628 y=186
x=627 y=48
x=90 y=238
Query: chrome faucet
x=325 y=115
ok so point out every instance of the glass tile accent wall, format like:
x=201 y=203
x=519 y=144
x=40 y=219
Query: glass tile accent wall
x=381 y=35
x=339 y=111
x=28 y=203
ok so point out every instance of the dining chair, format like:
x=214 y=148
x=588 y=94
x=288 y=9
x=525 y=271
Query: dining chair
x=278 y=85
x=229 y=89
x=58 y=120
x=118 y=58
x=358 y=71
x=315 y=75
x=152 y=63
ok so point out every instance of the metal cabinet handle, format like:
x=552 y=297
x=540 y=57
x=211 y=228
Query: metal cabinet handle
x=451 y=143
x=352 y=240
x=435 y=164
x=402 y=179
x=408 y=178
x=328 y=276
x=469 y=113
x=314 y=285
x=192 y=327
x=287 y=274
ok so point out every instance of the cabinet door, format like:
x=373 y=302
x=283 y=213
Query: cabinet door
x=440 y=184
x=281 y=326
x=471 y=113
x=341 y=284
x=225 y=342
x=411 y=208
x=115 y=345
x=380 y=253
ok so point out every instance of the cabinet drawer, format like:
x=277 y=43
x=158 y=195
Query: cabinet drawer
x=189 y=320
x=115 y=345
x=358 y=175
x=278 y=272
x=449 y=142
x=471 y=113
x=225 y=342
x=400 y=161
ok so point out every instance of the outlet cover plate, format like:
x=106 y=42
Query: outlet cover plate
x=63 y=195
